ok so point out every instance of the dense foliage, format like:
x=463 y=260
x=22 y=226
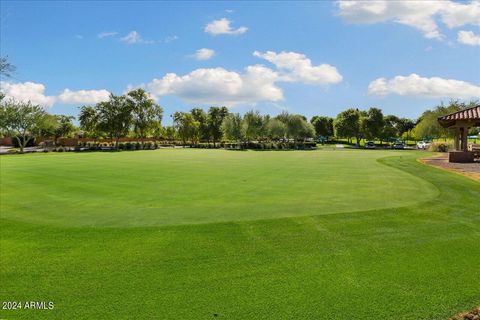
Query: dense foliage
x=136 y=115
x=134 y=112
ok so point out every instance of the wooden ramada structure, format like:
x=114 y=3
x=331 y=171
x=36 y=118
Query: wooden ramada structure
x=461 y=121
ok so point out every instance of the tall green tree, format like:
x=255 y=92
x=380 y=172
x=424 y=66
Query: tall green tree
x=215 y=120
x=146 y=114
x=284 y=117
x=115 y=117
x=232 y=127
x=187 y=127
x=299 y=128
x=323 y=126
x=20 y=119
x=276 y=129
x=390 y=128
x=347 y=124
x=55 y=126
x=89 y=119
x=373 y=123
x=405 y=127
x=65 y=126
x=252 y=125
x=264 y=130
x=47 y=125
x=169 y=132
x=203 y=129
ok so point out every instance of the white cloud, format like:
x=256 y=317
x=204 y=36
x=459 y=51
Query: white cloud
x=414 y=85
x=106 y=34
x=455 y=14
x=35 y=92
x=421 y=15
x=82 y=96
x=27 y=91
x=222 y=26
x=296 y=67
x=469 y=38
x=79 y=36
x=256 y=83
x=134 y=37
x=203 y=54
x=220 y=86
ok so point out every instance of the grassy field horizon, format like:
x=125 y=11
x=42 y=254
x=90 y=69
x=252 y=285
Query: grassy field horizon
x=204 y=234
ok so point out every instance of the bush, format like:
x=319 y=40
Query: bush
x=147 y=145
x=440 y=147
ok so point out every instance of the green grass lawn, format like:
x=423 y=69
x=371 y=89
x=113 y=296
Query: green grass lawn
x=190 y=234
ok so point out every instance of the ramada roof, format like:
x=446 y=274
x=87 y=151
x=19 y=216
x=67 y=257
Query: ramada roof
x=470 y=115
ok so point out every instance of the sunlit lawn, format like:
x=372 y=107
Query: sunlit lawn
x=203 y=234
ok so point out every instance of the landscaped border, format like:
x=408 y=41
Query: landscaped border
x=472 y=175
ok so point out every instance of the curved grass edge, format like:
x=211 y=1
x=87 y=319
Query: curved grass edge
x=382 y=161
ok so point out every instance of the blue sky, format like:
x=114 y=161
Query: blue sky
x=314 y=58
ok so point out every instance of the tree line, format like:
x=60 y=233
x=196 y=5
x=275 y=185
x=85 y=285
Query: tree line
x=136 y=114
x=119 y=116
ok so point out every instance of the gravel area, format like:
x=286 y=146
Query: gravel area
x=470 y=315
x=471 y=170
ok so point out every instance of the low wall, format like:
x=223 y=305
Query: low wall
x=7 y=141
x=461 y=156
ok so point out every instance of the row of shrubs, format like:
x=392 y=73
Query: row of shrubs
x=274 y=145
x=129 y=146
x=112 y=144
x=138 y=146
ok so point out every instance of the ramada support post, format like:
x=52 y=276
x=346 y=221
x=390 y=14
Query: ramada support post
x=464 y=131
x=456 y=141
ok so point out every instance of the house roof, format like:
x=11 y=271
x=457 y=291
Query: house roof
x=470 y=114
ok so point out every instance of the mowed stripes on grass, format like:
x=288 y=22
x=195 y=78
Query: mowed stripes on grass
x=404 y=249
